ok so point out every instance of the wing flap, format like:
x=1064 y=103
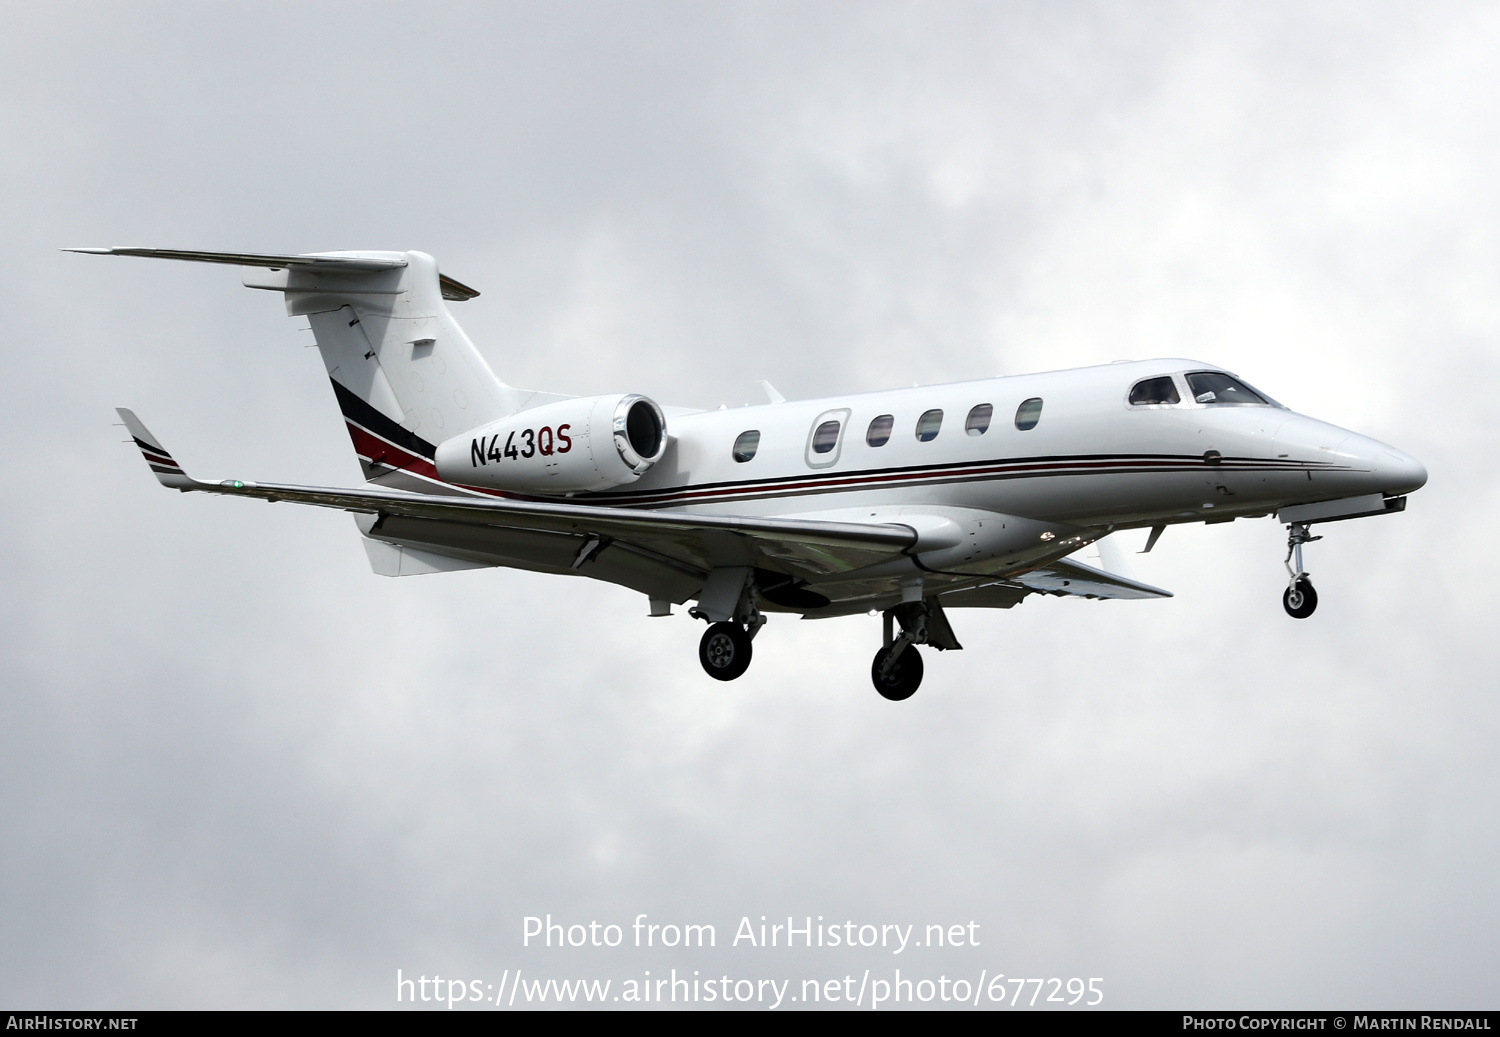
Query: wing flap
x=1066 y=576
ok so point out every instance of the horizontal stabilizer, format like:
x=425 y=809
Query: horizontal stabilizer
x=324 y=262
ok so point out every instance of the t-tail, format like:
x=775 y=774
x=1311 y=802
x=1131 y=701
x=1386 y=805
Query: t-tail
x=405 y=375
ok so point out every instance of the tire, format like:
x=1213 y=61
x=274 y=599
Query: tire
x=1300 y=600
x=903 y=679
x=724 y=651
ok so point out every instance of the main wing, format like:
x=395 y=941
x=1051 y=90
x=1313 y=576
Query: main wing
x=666 y=554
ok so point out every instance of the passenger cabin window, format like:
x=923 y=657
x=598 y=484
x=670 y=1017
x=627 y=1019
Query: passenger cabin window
x=1154 y=391
x=826 y=437
x=746 y=445
x=1217 y=387
x=880 y=430
x=1029 y=413
x=928 y=425
x=979 y=420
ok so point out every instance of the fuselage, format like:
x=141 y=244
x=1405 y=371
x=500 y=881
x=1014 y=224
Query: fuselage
x=1079 y=453
x=908 y=502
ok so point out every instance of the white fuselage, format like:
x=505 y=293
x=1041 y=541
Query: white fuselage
x=1092 y=459
x=908 y=502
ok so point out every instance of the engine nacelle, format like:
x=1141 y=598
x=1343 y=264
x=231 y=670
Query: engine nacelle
x=591 y=443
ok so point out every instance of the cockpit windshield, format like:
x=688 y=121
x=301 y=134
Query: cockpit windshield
x=1216 y=387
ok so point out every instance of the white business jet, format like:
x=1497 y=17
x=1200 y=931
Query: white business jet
x=910 y=503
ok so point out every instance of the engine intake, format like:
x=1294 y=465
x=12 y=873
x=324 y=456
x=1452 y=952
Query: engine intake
x=590 y=443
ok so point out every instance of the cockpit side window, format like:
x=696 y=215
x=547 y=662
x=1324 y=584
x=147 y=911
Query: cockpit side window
x=1216 y=387
x=1154 y=391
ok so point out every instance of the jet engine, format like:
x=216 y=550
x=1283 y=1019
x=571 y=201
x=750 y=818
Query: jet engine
x=589 y=443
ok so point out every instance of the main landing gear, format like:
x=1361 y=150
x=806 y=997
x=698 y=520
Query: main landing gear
x=728 y=604
x=1299 y=599
x=897 y=669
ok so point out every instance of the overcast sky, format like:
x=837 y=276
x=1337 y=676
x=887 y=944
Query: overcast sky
x=239 y=770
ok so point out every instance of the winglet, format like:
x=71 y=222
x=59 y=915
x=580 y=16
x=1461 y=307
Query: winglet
x=168 y=472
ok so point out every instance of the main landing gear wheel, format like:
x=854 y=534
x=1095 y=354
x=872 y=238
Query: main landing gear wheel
x=724 y=651
x=1300 y=599
x=902 y=678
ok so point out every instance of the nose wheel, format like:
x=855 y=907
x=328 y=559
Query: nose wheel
x=1299 y=599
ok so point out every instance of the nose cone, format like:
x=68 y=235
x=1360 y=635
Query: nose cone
x=1356 y=464
x=1400 y=472
x=1391 y=471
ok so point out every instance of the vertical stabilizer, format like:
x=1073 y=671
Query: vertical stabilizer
x=405 y=375
x=404 y=372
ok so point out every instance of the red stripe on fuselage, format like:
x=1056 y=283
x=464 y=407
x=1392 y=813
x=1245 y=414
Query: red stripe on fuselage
x=373 y=448
x=380 y=451
x=960 y=474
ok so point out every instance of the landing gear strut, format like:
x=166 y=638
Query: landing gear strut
x=897 y=669
x=1299 y=599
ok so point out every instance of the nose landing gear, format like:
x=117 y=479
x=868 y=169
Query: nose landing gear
x=1299 y=599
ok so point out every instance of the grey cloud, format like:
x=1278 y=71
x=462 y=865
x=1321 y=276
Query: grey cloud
x=239 y=770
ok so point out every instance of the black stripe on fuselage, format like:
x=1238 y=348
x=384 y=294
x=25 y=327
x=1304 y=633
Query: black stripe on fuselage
x=361 y=413
x=967 y=471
